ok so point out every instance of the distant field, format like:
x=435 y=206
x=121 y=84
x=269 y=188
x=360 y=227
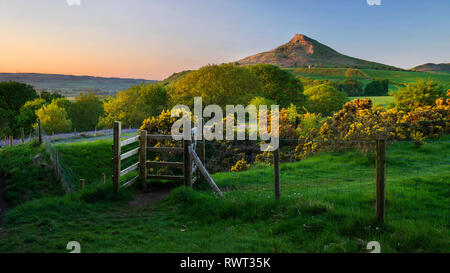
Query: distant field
x=71 y=86
x=395 y=77
x=381 y=100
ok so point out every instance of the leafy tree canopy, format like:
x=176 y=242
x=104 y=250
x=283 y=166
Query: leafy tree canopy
x=325 y=99
x=418 y=94
x=85 y=111
x=49 y=96
x=279 y=85
x=127 y=107
x=257 y=101
x=377 y=88
x=155 y=96
x=352 y=87
x=15 y=94
x=27 y=115
x=225 y=84
x=54 y=119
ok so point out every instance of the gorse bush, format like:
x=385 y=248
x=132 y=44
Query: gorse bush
x=418 y=94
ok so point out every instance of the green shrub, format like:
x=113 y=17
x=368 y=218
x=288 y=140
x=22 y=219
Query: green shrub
x=377 y=88
x=418 y=94
x=279 y=85
x=325 y=99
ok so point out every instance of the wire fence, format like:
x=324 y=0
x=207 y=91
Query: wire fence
x=63 y=171
x=342 y=174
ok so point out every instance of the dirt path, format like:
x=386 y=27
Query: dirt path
x=155 y=193
x=3 y=204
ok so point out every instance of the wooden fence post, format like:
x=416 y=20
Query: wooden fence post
x=58 y=172
x=22 y=135
x=104 y=178
x=81 y=184
x=187 y=171
x=276 y=173
x=39 y=131
x=381 y=180
x=11 y=141
x=116 y=156
x=143 y=159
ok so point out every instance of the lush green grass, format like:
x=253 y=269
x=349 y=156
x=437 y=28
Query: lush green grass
x=378 y=100
x=25 y=176
x=327 y=206
x=394 y=77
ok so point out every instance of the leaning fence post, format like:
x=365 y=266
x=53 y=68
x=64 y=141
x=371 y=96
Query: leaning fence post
x=276 y=173
x=143 y=159
x=201 y=147
x=22 y=135
x=39 y=131
x=187 y=171
x=116 y=156
x=381 y=180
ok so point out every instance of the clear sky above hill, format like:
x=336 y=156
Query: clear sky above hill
x=152 y=39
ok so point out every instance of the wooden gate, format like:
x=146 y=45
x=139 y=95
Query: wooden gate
x=192 y=166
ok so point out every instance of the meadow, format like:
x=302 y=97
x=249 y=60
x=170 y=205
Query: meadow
x=395 y=77
x=377 y=100
x=327 y=205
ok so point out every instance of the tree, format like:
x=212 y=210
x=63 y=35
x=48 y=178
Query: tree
x=352 y=73
x=48 y=96
x=225 y=84
x=85 y=111
x=12 y=96
x=15 y=94
x=27 y=115
x=377 y=88
x=155 y=96
x=279 y=85
x=418 y=94
x=4 y=119
x=54 y=119
x=352 y=88
x=325 y=99
x=127 y=107
x=257 y=101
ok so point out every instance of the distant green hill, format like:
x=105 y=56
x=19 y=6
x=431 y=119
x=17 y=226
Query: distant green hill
x=70 y=85
x=432 y=67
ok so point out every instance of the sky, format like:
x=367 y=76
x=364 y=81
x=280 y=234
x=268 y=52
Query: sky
x=152 y=39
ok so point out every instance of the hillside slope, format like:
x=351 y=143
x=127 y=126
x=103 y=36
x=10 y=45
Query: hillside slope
x=302 y=50
x=432 y=67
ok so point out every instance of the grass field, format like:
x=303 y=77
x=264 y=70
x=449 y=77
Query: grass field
x=327 y=206
x=378 y=100
x=394 y=77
